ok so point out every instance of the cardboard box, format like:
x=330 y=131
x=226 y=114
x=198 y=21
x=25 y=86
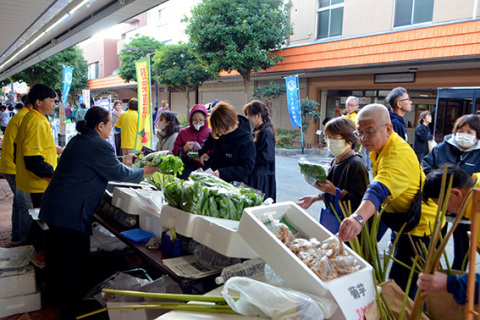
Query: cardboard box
x=221 y=235
x=132 y=314
x=19 y=284
x=20 y=304
x=352 y=292
x=181 y=221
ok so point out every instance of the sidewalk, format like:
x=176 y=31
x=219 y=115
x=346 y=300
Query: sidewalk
x=6 y=199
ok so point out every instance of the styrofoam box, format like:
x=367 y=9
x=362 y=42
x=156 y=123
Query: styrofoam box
x=128 y=200
x=18 y=284
x=221 y=235
x=132 y=314
x=150 y=220
x=181 y=221
x=20 y=304
x=352 y=292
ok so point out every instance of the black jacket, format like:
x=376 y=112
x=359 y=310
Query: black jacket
x=233 y=154
x=420 y=144
x=263 y=175
x=79 y=182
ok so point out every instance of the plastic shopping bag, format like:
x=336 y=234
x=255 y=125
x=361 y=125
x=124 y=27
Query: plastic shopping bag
x=264 y=300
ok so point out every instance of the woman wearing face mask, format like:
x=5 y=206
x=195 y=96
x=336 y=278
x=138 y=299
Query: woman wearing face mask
x=462 y=148
x=263 y=175
x=347 y=177
x=168 y=127
x=191 y=138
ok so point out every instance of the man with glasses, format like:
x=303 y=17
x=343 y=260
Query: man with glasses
x=400 y=102
x=396 y=173
x=351 y=107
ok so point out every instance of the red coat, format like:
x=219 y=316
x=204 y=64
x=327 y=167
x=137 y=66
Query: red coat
x=189 y=133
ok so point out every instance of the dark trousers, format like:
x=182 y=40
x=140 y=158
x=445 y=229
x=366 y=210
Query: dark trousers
x=67 y=258
x=404 y=252
x=461 y=245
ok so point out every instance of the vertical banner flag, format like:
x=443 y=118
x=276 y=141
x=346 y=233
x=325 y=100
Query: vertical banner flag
x=292 y=101
x=67 y=82
x=86 y=97
x=144 y=128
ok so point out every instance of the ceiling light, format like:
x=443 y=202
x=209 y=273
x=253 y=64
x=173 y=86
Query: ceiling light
x=56 y=23
x=78 y=6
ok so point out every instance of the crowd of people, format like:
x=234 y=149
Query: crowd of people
x=236 y=147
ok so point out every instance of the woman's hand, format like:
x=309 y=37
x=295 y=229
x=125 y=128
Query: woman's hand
x=148 y=169
x=216 y=173
x=326 y=187
x=307 y=201
x=129 y=159
x=204 y=157
x=188 y=146
x=431 y=283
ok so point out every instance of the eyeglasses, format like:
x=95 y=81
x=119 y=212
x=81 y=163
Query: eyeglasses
x=351 y=105
x=198 y=121
x=409 y=99
x=367 y=134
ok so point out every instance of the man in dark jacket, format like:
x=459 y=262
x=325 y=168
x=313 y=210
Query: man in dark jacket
x=400 y=104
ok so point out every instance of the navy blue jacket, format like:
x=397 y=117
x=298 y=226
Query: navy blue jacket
x=420 y=144
x=233 y=154
x=399 y=125
x=449 y=152
x=79 y=182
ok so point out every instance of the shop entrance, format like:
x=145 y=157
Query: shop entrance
x=452 y=103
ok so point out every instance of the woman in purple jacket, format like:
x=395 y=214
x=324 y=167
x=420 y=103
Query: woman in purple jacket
x=192 y=138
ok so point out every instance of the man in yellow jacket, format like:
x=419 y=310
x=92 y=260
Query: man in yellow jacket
x=20 y=220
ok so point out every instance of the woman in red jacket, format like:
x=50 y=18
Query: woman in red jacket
x=192 y=138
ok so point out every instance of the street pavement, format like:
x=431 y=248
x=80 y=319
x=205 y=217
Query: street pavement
x=291 y=186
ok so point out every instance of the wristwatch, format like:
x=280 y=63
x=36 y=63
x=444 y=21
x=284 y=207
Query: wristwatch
x=358 y=218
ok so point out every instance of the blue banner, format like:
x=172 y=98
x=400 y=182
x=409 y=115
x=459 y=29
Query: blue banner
x=293 y=101
x=67 y=82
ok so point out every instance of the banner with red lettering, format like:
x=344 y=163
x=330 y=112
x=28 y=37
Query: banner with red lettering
x=144 y=128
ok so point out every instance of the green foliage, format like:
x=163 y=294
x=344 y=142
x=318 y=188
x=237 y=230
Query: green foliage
x=183 y=121
x=239 y=34
x=270 y=92
x=309 y=111
x=49 y=71
x=179 y=68
x=286 y=137
x=127 y=70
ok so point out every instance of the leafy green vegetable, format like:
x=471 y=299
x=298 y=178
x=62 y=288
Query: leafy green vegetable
x=312 y=172
x=170 y=165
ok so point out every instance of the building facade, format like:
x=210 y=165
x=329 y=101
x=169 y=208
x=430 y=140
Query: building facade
x=346 y=47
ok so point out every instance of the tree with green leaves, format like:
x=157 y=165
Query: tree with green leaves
x=309 y=111
x=239 y=35
x=137 y=48
x=177 y=67
x=50 y=71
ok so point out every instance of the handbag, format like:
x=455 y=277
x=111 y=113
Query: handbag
x=328 y=219
x=411 y=218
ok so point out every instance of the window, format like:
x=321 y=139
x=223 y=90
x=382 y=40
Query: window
x=330 y=18
x=409 y=12
x=93 y=71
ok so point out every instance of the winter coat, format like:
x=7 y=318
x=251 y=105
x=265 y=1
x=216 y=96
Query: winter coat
x=188 y=134
x=450 y=152
x=79 y=182
x=399 y=125
x=263 y=175
x=420 y=144
x=233 y=153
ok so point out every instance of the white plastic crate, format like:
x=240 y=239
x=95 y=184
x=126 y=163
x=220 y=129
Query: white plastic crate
x=352 y=292
x=221 y=235
x=181 y=221
x=17 y=285
x=128 y=199
x=150 y=221
x=20 y=304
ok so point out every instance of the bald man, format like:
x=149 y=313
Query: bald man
x=397 y=173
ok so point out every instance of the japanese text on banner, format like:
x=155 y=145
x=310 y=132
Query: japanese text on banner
x=144 y=128
x=292 y=101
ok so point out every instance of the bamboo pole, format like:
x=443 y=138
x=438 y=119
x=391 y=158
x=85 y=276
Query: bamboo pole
x=473 y=252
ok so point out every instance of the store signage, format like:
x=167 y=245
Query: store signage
x=144 y=127
x=399 y=77
x=293 y=101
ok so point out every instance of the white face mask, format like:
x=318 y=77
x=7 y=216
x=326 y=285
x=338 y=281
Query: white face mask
x=198 y=126
x=337 y=147
x=465 y=140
